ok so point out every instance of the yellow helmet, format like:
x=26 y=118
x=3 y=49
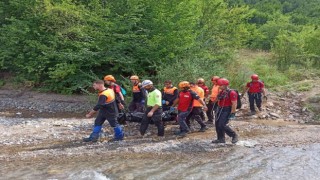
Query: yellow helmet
x=184 y=84
x=134 y=77
x=109 y=78
x=200 y=80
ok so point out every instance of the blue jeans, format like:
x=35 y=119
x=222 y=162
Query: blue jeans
x=182 y=121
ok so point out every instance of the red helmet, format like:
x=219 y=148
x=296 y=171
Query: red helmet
x=215 y=78
x=223 y=82
x=254 y=77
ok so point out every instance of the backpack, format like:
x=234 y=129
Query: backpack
x=123 y=91
x=239 y=104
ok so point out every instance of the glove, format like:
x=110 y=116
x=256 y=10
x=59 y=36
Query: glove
x=265 y=98
x=163 y=101
x=172 y=108
x=142 y=102
x=232 y=116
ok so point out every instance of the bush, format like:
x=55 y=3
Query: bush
x=239 y=72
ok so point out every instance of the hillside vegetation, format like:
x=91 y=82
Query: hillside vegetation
x=62 y=45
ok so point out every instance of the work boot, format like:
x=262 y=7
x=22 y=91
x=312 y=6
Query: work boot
x=234 y=139
x=252 y=113
x=91 y=138
x=94 y=136
x=203 y=129
x=182 y=134
x=209 y=122
x=118 y=133
x=218 y=141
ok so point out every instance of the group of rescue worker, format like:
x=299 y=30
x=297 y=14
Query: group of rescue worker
x=189 y=100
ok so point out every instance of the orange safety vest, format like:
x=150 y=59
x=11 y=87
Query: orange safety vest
x=169 y=91
x=214 y=92
x=109 y=93
x=200 y=93
x=136 y=89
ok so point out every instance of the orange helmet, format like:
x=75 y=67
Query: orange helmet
x=223 y=82
x=215 y=78
x=109 y=78
x=254 y=77
x=200 y=80
x=184 y=84
x=134 y=77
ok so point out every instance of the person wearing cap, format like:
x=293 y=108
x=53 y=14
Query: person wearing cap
x=107 y=110
x=227 y=103
x=110 y=81
x=197 y=108
x=212 y=107
x=154 y=109
x=138 y=95
x=169 y=94
x=255 y=90
x=185 y=105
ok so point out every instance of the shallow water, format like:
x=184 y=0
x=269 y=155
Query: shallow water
x=189 y=158
x=229 y=162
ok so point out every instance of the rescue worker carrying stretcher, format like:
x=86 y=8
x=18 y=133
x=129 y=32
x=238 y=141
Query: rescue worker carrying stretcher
x=110 y=81
x=212 y=105
x=154 y=109
x=107 y=111
x=185 y=105
x=169 y=94
x=197 y=108
x=138 y=96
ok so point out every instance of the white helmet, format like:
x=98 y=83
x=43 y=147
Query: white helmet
x=146 y=83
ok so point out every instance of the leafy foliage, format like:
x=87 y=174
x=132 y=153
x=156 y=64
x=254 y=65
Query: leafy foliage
x=62 y=45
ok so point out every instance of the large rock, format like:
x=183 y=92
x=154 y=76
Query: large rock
x=274 y=115
x=313 y=104
x=314 y=99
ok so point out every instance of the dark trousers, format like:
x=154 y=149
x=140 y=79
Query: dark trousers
x=102 y=117
x=212 y=107
x=136 y=107
x=254 y=97
x=222 y=119
x=196 y=115
x=156 y=118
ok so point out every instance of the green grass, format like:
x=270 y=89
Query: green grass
x=250 y=62
x=2 y=83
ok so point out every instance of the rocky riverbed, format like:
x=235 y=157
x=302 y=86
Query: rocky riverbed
x=42 y=139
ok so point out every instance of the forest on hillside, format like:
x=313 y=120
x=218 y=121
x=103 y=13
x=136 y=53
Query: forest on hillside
x=62 y=45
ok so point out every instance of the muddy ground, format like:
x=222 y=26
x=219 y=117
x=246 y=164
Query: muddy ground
x=48 y=129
